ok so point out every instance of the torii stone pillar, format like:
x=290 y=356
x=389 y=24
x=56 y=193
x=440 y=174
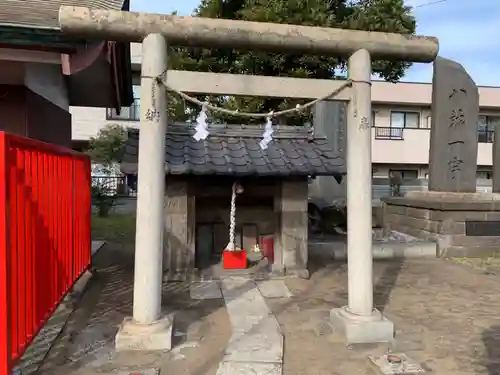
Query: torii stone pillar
x=359 y=321
x=148 y=329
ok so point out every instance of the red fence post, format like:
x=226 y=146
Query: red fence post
x=5 y=334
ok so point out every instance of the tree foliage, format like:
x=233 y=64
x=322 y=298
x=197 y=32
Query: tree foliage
x=371 y=15
x=108 y=146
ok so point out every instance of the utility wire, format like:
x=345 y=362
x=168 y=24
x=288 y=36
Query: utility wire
x=429 y=3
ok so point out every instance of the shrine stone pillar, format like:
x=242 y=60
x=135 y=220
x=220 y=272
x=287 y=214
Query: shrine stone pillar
x=293 y=228
x=359 y=321
x=148 y=328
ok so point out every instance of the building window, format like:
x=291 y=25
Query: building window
x=485 y=128
x=409 y=120
x=406 y=173
x=483 y=175
x=373 y=119
x=127 y=113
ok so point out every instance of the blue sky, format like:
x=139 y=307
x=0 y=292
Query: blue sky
x=468 y=31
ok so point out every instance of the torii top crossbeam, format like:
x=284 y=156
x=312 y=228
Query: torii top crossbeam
x=222 y=33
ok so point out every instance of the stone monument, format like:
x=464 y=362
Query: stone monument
x=330 y=120
x=461 y=221
x=453 y=142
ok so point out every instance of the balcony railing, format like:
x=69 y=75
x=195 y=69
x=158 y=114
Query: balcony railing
x=45 y=241
x=118 y=186
x=126 y=113
x=485 y=136
x=389 y=133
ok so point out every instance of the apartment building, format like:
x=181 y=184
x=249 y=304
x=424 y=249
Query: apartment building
x=400 y=125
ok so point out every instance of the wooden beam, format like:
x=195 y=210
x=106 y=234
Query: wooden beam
x=103 y=24
x=247 y=85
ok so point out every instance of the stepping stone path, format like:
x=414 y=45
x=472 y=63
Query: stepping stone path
x=205 y=290
x=256 y=343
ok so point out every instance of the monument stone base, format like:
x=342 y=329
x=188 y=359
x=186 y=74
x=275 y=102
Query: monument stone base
x=135 y=336
x=462 y=224
x=362 y=329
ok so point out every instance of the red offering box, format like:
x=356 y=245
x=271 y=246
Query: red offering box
x=234 y=259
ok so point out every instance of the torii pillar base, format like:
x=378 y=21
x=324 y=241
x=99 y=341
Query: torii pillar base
x=145 y=337
x=359 y=329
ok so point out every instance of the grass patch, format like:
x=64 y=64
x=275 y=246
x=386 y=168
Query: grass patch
x=114 y=228
x=484 y=264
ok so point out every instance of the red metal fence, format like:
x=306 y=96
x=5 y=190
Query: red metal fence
x=45 y=242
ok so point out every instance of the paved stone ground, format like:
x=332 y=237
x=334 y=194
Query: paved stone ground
x=38 y=350
x=447 y=317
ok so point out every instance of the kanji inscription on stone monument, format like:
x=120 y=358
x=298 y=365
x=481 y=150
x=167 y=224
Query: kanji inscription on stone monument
x=453 y=143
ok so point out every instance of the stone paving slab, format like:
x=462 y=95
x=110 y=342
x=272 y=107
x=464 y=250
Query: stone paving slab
x=253 y=323
x=257 y=338
x=255 y=347
x=40 y=346
x=273 y=289
x=150 y=371
x=237 y=368
x=205 y=290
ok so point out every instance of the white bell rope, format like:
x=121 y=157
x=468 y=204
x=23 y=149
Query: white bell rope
x=267 y=137
x=232 y=220
x=201 y=125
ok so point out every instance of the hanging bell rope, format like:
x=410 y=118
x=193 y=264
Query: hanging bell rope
x=236 y=189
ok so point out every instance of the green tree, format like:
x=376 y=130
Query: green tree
x=371 y=15
x=108 y=146
x=107 y=149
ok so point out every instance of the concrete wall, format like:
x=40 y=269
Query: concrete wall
x=88 y=121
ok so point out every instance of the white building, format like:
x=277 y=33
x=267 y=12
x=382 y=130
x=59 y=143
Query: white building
x=401 y=119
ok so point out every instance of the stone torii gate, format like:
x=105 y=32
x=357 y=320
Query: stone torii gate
x=148 y=329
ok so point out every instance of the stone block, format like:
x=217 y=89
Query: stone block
x=366 y=330
x=493 y=216
x=452 y=227
x=398 y=210
x=419 y=213
x=152 y=337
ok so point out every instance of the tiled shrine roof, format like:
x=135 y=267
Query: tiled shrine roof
x=235 y=151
